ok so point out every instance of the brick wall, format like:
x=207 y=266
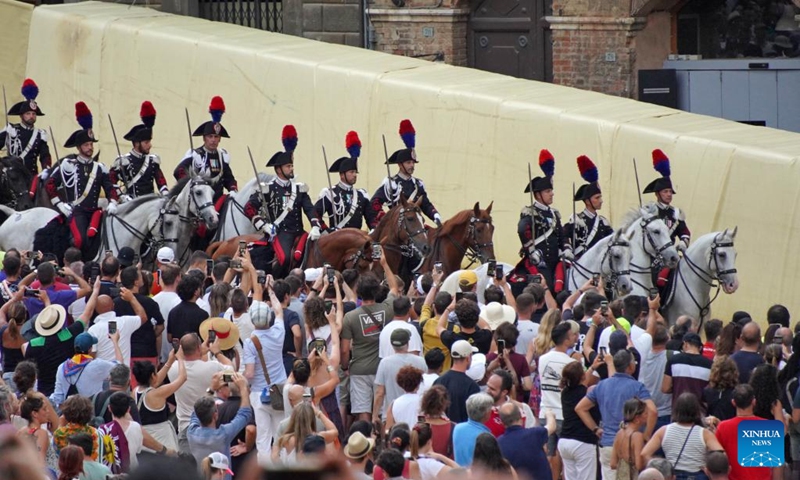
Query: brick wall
x=429 y=33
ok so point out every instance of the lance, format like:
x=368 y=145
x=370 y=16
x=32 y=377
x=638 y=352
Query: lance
x=530 y=190
x=388 y=172
x=58 y=161
x=5 y=104
x=327 y=174
x=638 y=188
x=574 y=217
x=189 y=128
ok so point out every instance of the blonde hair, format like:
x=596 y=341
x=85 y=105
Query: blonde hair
x=544 y=341
x=302 y=423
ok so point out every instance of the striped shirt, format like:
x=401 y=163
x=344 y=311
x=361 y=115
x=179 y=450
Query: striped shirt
x=689 y=372
x=693 y=457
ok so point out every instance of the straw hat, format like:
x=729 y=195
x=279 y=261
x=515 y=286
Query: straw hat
x=358 y=446
x=495 y=313
x=227 y=331
x=50 y=320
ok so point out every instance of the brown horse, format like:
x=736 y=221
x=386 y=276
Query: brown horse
x=404 y=238
x=228 y=247
x=342 y=249
x=469 y=233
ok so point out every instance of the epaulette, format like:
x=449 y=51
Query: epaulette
x=419 y=182
x=301 y=187
x=363 y=192
x=324 y=193
x=681 y=216
x=155 y=159
x=556 y=214
x=42 y=134
x=224 y=155
x=120 y=162
x=526 y=211
x=103 y=167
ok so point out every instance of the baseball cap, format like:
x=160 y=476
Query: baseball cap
x=693 y=338
x=400 y=337
x=467 y=278
x=313 y=444
x=624 y=323
x=617 y=341
x=165 y=255
x=220 y=462
x=125 y=256
x=84 y=342
x=462 y=349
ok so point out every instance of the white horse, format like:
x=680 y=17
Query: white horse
x=650 y=241
x=611 y=258
x=450 y=284
x=20 y=227
x=234 y=222
x=134 y=223
x=711 y=258
x=190 y=201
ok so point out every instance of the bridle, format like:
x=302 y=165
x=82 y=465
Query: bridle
x=657 y=259
x=145 y=237
x=188 y=217
x=708 y=278
x=614 y=273
x=473 y=248
x=409 y=249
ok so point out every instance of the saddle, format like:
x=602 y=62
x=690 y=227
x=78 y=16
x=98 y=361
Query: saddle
x=524 y=268
x=664 y=281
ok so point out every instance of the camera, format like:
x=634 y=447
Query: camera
x=176 y=344
x=498 y=272
x=459 y=295
x=227 y=377
x=595 y=279
x=242 y=248
x=331 y=273
x=318 y=344
x=438 y=267
x=603 y=351
x=237 y=264
x=653 y=293
x=604 y=307
x=534 y=279
x=261 y=277
x=376 y=251
x=420 y=418
x=210 y=267
x=328 y=306
x=490 y=270
x=94 y=273
x=112 y=327
x=212 y=336
x=31 y=293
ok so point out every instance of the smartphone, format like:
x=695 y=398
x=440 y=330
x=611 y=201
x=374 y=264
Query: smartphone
x=113 y=292
x=331 y=274
x=603 y=307
x=501 y=346
x=94 y=273
x=261 y=277
x=777 y=339
x=210 y=267
x=420 y=418
x=227 y=377
x=212 y=336
x=459 y=295
x=31 y=292
x=536 y=279
x=490 y=271
x=112 y=327
x=596 y=279
x=376 y=251
x=176 y=344
x=157 y=276
x=438 y=267
x=242 y=248
x=328 y=306
x=603 y=351
x=306 y=397
x=499 y=273
x=653 y=293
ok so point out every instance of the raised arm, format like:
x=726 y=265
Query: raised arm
x=138 y=309
x=83 y=287
x=394 y=287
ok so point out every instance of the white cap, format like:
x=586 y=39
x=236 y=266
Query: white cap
x=220 y=462
x=165 y=255
x=462 y=349
x=477 y=370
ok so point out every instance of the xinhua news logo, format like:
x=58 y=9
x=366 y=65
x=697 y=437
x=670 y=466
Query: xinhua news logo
x=761 y=443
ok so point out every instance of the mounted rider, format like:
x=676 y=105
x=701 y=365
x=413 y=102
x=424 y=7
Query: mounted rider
x=279 y=213
x=587 y=227
x=544 y=245
x=22 y=139
x=75 y=183
x=138 y=169
x=673 y=217
x=345 y=206
x=403 y=183
x=209 y=161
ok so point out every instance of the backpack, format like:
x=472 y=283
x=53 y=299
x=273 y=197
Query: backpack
x=99 y=418
x=73 y=387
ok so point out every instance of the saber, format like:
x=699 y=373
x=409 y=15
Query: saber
x=5 y=104
x=574 y=217
x=189 y=128
x=55 y=147
x=255 y=172
x=62 y=187
x=327 y=174
x=530 y=190
x=638 y=188
x=386 y=156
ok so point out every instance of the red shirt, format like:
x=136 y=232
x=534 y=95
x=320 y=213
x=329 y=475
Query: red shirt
x=496 y=425
x=728 y=436
x=57 y=285
x=709 y=350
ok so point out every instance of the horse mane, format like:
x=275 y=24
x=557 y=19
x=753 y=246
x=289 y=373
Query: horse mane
x=137 y=202
x=15 y=162
x=635 y=214
x=450 y=225
x=178 y=187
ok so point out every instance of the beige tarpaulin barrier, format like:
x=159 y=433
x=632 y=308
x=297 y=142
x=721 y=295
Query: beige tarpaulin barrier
x=476 y=131
x=15 y=22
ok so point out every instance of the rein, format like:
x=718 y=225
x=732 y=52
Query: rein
x=656 y=259
x=614 y=274
x=191 y=218
x=473 y=248
x=706 y=277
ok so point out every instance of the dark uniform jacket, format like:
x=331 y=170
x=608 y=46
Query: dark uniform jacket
x=68 y=182
x=280 y=196
x=547 y=234
x=136 y=173
x=214 y=167
x=345 y=207
x=589 y=229
x=675 y=221
x=390 y=190
x=29 y=144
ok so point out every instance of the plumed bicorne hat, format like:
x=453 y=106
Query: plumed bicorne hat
x=661 y=165
x=213 y=127
x=85 y=135
x=346 y=164
x=409 y=136
x=589 y=174
x=548 y=165
x=29 y=91
x=289 y=140
x=143 y=131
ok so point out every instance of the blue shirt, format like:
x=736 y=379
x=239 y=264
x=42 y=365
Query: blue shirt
x=57 y=297
x=524 y=450
x=610 y=395
x=203 y=441
x=272 y=347
x=464 y=436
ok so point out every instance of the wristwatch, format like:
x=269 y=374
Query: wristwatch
x=330 y=368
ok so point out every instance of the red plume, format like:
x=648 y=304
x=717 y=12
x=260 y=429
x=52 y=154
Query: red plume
x=147 y=109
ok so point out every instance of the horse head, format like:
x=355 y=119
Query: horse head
x=722 y=260
x=201 y=203
x=411 y=226
x=15 y=182
x=656 y=240
x=617 y=262
x=481 y=232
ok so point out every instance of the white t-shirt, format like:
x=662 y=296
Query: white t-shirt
x=429 y=467
x=405 y=408
x=642 y=341
x=527 y=332
x=135 y=442
x=550 y=366
x=126 y=325
x=386 y=349
x=246 y=329
x=166 y=302
x=198 y=379
x=427 y=382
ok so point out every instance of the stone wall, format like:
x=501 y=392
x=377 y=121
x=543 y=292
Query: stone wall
x=333 y=21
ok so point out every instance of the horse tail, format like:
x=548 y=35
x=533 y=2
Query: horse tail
x=212 y=249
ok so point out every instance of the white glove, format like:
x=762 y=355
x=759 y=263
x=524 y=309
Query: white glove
x=568 y=256
x=125 y=198
x=438 y=219
x=682 y=246
x=163 y=191
x=314 y=235
x=269 y=230
x=534 y=255
x=111 y=209
x=44 y=175
x=65 y=209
